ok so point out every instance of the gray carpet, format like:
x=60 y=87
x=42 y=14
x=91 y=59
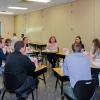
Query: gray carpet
x=46 y=93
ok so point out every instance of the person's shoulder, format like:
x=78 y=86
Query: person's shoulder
x=25 y=57
x=70 y=56
x=75 y=54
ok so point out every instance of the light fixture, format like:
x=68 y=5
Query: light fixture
x=41 y=1
x=6 y=12
x=19 y=8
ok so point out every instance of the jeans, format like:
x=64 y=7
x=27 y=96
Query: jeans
x=29 y=85
x=69 y=91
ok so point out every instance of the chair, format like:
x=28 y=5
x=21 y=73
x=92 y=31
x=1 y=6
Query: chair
x=9 y=86
x=84 y=90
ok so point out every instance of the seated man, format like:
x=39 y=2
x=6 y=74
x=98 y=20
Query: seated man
x=20 y=65
x=78 y=67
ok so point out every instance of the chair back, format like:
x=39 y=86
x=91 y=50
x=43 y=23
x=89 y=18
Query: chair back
x=10 y=82
x=84 y=89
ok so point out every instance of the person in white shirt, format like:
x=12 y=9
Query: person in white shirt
x=78 y=67
x=14 y=39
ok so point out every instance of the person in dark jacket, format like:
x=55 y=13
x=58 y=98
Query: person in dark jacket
x=2 y=55
x=22 y=68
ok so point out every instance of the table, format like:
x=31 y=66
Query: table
x=61 y=54
x=59 y=74
x=45 y=53
x=34 y=53
x=37 y=45
x=41 y=70
x=41 y=46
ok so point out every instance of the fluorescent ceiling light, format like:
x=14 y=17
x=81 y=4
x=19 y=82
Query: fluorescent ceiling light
x=20 y=8
x=6 y=12
x=42 y=1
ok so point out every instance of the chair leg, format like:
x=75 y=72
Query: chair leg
x=37 y=93
x=32 y=95
x=56 y=83
x=62 y=98
x=44 y=79
x=2 y=97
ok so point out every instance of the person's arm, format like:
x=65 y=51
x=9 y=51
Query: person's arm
x=82 y=46
x=65 y=67
x=47 y=47
x=73 y=47
x=2 y=55
x=57 y=47
x=30 y=66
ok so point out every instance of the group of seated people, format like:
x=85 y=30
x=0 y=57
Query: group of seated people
x=17 y=63
x=7 y=46
x=53 y=47
x=76 y=65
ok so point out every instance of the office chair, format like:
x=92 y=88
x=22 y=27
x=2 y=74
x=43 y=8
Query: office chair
x=83 y=90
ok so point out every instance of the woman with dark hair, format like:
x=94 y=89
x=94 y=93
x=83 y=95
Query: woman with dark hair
x=8 y=46
x=78 y=41
x=26 y=45
x=22 y=36
x=26 y=41
x=95 y=50
x=52 y=46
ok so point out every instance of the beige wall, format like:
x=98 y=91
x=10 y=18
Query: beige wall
x=30 y=25
x=7 y=25
x=65 y=22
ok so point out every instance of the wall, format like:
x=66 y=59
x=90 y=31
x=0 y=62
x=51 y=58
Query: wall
x=64 y=21
x=30 y=25
x=7 y=25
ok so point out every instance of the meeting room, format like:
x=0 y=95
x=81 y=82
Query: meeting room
x=49 y=50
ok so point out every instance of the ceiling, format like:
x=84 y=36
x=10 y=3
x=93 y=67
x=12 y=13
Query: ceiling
x=32 y=6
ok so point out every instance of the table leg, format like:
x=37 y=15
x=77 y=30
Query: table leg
x=61 y=88
x=56 y=83
x=44 y=79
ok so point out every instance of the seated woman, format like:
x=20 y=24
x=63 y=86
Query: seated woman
x=8 y=46
x=53 y=47
x=78 y=41
x=95 y=49
x=26 y=45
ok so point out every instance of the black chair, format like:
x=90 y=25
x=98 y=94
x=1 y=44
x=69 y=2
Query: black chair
x=83 y=90
x=9 y=86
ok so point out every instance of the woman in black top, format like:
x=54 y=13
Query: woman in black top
x=78 y=41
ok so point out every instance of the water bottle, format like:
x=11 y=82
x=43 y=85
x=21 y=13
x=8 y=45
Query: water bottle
x=61 y=63
x=40 y=59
